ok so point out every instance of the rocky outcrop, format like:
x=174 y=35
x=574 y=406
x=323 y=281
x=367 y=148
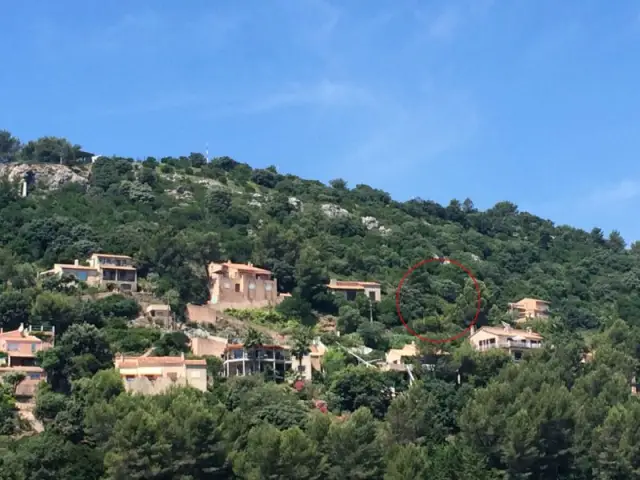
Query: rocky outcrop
x=296 y=203
x=370 y=223
x=333 y=211
x=47 y=175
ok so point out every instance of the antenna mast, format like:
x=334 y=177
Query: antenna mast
x=206 y=154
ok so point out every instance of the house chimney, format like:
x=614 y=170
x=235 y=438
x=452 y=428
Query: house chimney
x=250 y=264
x=76 y=262
x=529 y=329
x=182 y=355
x=472 y=330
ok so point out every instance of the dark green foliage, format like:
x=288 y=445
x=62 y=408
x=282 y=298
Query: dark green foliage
x=469 y=415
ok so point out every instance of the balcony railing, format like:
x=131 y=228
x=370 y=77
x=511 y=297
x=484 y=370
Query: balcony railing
x=510 y=344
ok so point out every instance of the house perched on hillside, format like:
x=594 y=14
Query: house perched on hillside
x=20 y=348
x=530 y=308
x=237 y=285
x=276 y=359
x=350 y=289
x=512 y=340
x=152 y=375
x=103 y=269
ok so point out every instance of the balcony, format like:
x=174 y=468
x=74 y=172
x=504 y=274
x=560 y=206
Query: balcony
x=510 y=344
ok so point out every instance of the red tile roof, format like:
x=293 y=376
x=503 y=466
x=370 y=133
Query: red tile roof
x=352 y=285
x=239 y=346
x=18 y=336
x=247 y=268
x=135 y=362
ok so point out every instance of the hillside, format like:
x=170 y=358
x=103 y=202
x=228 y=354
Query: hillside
x=476 y=416
x=175 y=215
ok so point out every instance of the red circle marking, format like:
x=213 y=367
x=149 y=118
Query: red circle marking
x=441 y=260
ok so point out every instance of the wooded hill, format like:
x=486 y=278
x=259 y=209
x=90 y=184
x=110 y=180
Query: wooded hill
x=549 y=417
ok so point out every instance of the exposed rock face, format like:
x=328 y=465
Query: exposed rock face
x=47 y=175
x=296 y=203
x=370 y=223
x=333 y=211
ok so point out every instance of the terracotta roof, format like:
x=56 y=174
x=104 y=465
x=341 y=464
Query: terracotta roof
x=135 y=362
x=110 y=255
x=512 y=332
x=17 y=336
x=351 y=285
x=529 y=298
x=239 y=346
x=27 y=388
x=247 y=268
x=408 y=350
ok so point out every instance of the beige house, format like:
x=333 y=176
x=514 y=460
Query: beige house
x=209 y=346
x=152 y=375
x=235 y=285
x=529 y=308
x=396 y=356
x=317 y=351
x=20 y=348
x=159 y=314
x=116 y=270
x=351 y=288
x=512 y=340
x=102 y=269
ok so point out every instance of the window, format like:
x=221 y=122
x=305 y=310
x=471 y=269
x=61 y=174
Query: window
x=126 y=276
x=13 y=347
x=237 y=287
x=34 y=376
x=372 y=295
x=109 y=275
x=34 y=347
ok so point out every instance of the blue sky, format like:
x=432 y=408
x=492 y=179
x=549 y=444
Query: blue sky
x=536 y=102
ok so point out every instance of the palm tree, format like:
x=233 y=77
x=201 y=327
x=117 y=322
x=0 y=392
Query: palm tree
x=302 y=339
x=253 y=341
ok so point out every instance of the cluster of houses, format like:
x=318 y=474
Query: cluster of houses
x=239 y=286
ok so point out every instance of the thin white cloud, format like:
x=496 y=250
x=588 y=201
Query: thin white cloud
x=405 y=137
x=444 y=24
x=620 y=192
x=322 y=94
x=150 y=30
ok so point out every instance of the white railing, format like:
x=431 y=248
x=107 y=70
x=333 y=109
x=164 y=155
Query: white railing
x=509 y=344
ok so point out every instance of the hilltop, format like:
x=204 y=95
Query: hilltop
x=174 y=215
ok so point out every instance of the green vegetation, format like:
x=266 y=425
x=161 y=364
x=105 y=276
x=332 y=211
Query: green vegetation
x=474 y=416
